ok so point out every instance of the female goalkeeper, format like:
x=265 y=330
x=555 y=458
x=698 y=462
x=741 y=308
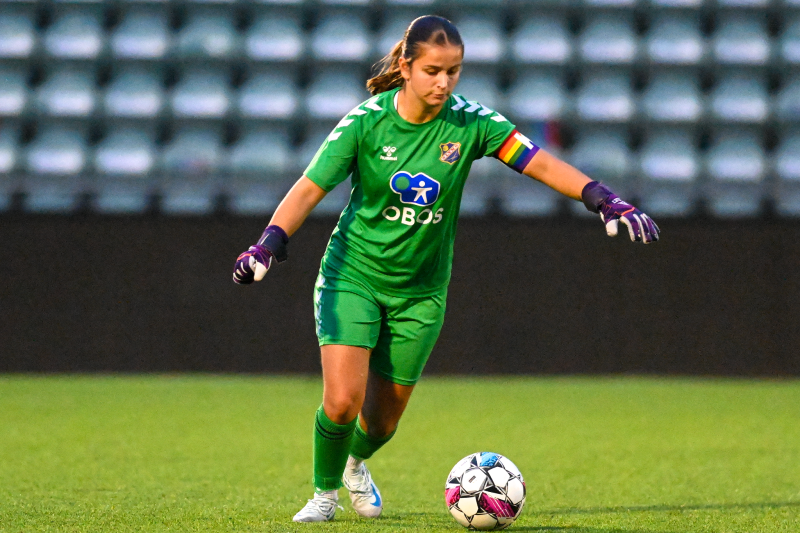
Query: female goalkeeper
x=381 y=291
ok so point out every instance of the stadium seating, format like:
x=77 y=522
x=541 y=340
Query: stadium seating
x=143 y=33
x=669 y=165
x=741 y=39
x=124 y=162
x=788 y=101
x=482 y=87
x=134 y=91
x=675 y=39
x=609 y=39
x=341 y=37
x=259 y=165
x=603 y=153
x=274 y=37
x=392 y=30
x=262 y=153
x=538 y=97
x=790 y=41
x=737 y=168
x=606 y=97
x=740 y=98
x=17 y=33
x=127 y=100
x=76 y=33
x=334 y=92
x=542 y=39
x=201 y=93
x=14 y=93
x=694 y=4
x=787 y=170
x=268 y=94
x=208 y=35
x=673 y=97
x=67 y=92
x=483 y=38
x=54 y=164
x=190 y=166
x=9 y=145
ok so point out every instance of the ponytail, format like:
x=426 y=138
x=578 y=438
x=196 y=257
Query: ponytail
x=388 y=76
x=429 y=29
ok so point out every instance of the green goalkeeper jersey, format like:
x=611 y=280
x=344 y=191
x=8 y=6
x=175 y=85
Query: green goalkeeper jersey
x=398 y=229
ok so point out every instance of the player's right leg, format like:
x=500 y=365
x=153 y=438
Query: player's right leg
x=348 y=323
x=344 y=375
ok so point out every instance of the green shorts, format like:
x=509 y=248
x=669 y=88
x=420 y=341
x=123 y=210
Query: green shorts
x=401 y=332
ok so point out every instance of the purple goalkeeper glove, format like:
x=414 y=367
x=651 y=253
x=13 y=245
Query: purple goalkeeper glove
x=599 y=199
x=253 y=264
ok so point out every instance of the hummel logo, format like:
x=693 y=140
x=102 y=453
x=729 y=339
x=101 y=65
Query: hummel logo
x=389 y=150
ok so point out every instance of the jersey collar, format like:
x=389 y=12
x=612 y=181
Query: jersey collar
x=410 y=126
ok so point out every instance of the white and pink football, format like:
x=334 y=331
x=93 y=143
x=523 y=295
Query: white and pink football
x=485 y=491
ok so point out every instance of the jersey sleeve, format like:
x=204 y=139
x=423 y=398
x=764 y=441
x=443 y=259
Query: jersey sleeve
x=516 y=151
x=336 y=158
x=503 y=141
x=495 y=128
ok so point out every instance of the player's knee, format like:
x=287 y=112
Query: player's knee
x=342 y=408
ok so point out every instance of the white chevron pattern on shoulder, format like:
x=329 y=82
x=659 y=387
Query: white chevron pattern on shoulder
x=485 y=111
x=473 y=106
x=357 y=111
x=370 y=104
x=459 y=103
x=499 y=118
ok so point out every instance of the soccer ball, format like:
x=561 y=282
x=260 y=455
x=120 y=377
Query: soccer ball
x=485 y=491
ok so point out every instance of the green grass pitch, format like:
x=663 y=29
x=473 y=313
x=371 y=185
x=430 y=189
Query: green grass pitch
x=232 y=453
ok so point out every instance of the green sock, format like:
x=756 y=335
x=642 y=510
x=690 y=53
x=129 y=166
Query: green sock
x=363 y=446
x=331 y=447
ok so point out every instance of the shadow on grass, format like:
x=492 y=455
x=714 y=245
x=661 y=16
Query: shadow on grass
x=582 y=529
x=661 y=508
x=402 y=520
x=445 y=524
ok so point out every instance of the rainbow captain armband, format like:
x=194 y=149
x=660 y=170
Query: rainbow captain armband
x=517 y=151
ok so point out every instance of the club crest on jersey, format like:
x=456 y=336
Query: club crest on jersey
x=419 y=189
x=451 y=152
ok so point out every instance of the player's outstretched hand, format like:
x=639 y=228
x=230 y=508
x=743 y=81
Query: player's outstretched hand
x=253 y=264
x=612 y=209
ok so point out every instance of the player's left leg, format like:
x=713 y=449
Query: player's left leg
x=407 y=337
x=383 y=406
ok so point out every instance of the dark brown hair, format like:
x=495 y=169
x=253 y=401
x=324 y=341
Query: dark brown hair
x=430 y=29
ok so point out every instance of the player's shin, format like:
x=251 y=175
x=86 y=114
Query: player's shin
x=331 y=448
x=363 y=446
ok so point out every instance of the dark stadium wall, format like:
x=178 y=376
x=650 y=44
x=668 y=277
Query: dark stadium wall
x=89 y=294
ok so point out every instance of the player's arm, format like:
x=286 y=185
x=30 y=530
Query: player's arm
x=301 y=199
x=333 y=162
x=521 y=154
x=557 y=174
x=598 y=198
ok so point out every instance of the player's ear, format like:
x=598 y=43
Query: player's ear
x=405 y=68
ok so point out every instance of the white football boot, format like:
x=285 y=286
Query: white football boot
x=321 y=508
x=364 y=495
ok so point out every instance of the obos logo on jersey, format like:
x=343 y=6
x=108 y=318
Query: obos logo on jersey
x=418 y=189
x=451 y=152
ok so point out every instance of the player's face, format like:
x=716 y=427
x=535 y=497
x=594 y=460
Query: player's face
x=433 y=76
